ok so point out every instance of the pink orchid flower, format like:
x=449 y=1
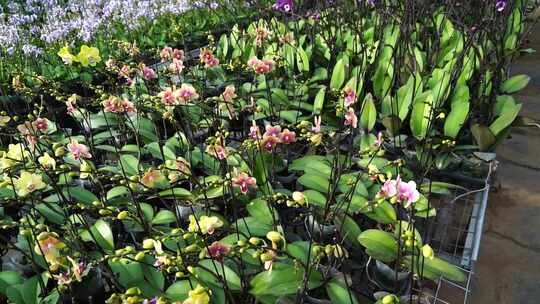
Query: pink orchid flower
x=389 y=189
x=269 y=142
x=272 y=131
x=254 y=132
x=41 y=124
x=317 y=124
x=244 y=181
x=78 y=150
x=351 y=119
x=350 y=97
x=379 y=141
x=407 y=193
x=148 y=73
x=261 y=66
x=186 y=93
x=287 y=136
x=167 y=97
x=229 y=94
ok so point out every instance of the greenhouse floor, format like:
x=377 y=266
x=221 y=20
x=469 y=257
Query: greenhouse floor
x=508 y=269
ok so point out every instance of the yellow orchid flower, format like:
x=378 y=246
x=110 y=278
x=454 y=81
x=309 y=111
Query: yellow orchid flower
x=199 y=295
x=4 y=120
x=28 y=183
x=206 y=224
x=88 y=56
x=85 y=170
x=47 y=161
x=15 y=152
x=427 y=252
x=49 y=246
x=66 y=55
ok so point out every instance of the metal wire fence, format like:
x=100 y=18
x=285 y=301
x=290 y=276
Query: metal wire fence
x=455 y=234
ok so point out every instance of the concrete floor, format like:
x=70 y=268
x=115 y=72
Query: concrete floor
x=508 y=269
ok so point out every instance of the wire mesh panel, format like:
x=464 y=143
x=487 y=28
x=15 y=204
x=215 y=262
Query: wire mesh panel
x=455 y=235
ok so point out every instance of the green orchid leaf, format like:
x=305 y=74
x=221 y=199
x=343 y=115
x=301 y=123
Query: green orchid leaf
x=179 y=291
x=261 y=210
x=155 y=149
x=9 y=278
x=379 y=244
x=117 y=191
x=458 y=115
x=319 y=101
x=129 y=164
x=164 y=217
x=302 y=60
x=315 y=182
x=80 y=194
x=435 y=268
x=315 y=198
x=283 y=280
x=421 y=115
x=52 y=212
x=369 y=113
x=177 y=192
x=103 y=235
x=508 y=115
x=338 y=75
x=252 y=226
x=215 y=273
x=338 y=293
x=383 y=213
x=351 y=230
x=483 y=136
x=515 y=84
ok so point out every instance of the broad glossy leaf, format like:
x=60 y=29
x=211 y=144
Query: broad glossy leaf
x=212 y=269
x=315 y=198
x=421 y=115
x=302 y=60
x=315 y=182
x=383 y=213
x=379 y=244
x=369 y=113
x=103 y=234
x=251 y=226
x=350 y=230
x=155 y=149
x=52 y=212
x=338 y=75
x=338 y=293
x=80 y=194
x=319 y=101
x=299 y=250
x=129 y=164
x=300 y=164
x=164 y=217
x=117 y=191
x=282 y=281
x=177 y=192
x=9 y=278
x=515 y=84
x=179 y=291
x=457 y=116
x=436 y=267
x=483 y=136
x=260 y=209
x=508 y=115
x=404 y=99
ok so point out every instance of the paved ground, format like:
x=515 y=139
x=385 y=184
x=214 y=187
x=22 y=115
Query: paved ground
x=508 y=270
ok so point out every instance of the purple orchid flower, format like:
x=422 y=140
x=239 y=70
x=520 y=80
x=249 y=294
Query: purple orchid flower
x=283 y=5
x=500 y=5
